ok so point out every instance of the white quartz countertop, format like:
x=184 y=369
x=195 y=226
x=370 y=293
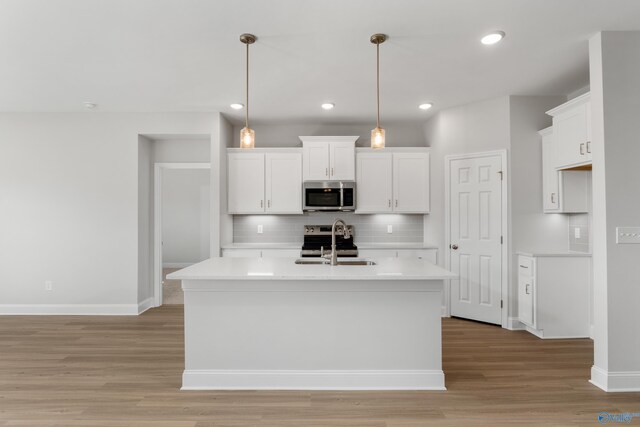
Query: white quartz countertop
x=287 y=269
x=553 y=254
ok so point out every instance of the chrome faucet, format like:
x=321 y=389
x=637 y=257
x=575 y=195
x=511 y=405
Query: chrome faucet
x=334 y=253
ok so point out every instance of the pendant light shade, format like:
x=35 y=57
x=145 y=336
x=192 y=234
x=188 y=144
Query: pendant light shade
x=247 y=135
x=377 y=134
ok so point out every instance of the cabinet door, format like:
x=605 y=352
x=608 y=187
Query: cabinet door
x=241 y=253
x=525 y=300
x=411 y=182
x=589 y=155
x=283 y=183
x=315 y=161
x=342 y=161
x=281 y=253
x=550 y=185
x=245 y=183
x=570 y=130
x=430 y=255
x=374 y=182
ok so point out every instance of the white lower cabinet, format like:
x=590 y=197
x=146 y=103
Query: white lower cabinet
x=429 y=254
x=553 y=295
x=260 y=253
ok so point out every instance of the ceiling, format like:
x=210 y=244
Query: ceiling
x=184 y=55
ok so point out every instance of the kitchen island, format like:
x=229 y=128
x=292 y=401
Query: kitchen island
x=269 y=323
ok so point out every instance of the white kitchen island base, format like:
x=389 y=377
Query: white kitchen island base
x=292 y=332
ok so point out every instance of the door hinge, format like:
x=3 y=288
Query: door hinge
x=500 y=172
x=501 y=304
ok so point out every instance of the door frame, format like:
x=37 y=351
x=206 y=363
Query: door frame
x=506 y=262
x=157 y=222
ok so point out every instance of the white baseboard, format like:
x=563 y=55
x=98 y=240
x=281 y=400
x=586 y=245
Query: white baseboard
x=513 y=324
x=145 y=305
x=178 y=264
x=70 y=309
x=312 y=380
x=628 y=381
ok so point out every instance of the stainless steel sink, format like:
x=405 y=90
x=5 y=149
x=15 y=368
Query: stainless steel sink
x=312 y=261
x=356 y=262
x=322 y=261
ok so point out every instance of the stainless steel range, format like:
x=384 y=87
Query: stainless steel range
x=317 y=241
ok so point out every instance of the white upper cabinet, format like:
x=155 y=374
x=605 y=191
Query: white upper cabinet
x=283 y=184
x=564 y=191
x=268 y=181
x=572 y=132
x=392 y=180
x=411 y=182
x=246 y=182
x=374 y=186
x=328 y=158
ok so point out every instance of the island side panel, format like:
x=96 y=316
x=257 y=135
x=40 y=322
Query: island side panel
x=385 y=335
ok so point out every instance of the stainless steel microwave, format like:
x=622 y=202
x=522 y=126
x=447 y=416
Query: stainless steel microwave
x=328 y=196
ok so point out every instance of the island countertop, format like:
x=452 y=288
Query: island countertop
x=221 y=268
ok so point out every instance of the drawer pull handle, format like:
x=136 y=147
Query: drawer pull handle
x=553 y=197
x=582 y=149
x=588 y=146
x=523 y=266
x=526 y=289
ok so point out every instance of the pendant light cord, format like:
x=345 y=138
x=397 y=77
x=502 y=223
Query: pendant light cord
x=378 y=83
x=246 y=113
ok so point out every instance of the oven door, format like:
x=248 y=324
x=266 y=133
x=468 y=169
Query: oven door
x=329 y=196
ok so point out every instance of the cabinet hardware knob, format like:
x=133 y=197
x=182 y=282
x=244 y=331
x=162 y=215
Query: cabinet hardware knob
x=396 y=203
x=326 y=171
x=582 y=149
x=454 y=247
x=526 y=289
x=553 y=197
x=389 y=202
x=331 y=171
x=268 y=203
x=588 y=146
x=261 y=203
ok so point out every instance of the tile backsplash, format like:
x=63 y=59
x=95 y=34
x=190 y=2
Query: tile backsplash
x=289 y=228
x=581 y=223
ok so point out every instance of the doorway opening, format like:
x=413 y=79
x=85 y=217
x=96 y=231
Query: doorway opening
x=181 y=224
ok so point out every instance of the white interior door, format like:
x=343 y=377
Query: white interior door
x=476 y=228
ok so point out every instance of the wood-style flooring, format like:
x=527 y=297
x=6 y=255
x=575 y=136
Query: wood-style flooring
x=126 y=371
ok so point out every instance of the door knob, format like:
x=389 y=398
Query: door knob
x=454 y=247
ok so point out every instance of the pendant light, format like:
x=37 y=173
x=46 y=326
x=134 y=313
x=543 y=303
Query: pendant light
x=247 y=135
x=377 y=134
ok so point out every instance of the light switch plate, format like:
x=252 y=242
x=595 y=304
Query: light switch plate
x=389 y=228
x=260 y=229
x=628 y=235
x=576 y=232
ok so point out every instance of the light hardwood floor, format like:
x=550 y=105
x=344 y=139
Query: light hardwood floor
x=125 y=371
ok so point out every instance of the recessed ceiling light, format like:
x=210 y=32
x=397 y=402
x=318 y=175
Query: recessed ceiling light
x=89 y=105
x=328 y=106
x=493 y=38
x=237 y=106
x=425 y=106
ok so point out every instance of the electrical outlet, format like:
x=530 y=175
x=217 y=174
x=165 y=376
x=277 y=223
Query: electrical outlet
x=576 y=232
x=389 y=229
x=48 y=285
x=628 y=235
x=260 y=229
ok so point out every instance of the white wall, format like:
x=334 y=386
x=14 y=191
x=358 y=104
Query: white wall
x=185 y=216
x=398 y=134
x=615 y=90
x=506 y=123
x=69 y=207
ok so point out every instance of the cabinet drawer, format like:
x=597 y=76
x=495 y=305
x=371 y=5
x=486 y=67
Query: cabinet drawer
x=525 y=266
